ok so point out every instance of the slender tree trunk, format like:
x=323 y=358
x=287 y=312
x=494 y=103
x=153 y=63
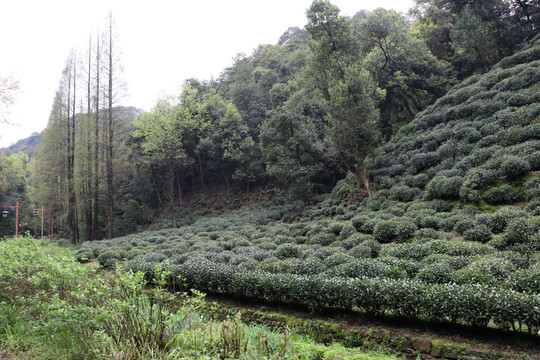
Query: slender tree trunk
x=96 y=146
x=110 y=142
x=179 y=190
x=88 y=181
x=75 y=230
x=200 y=171
x=226 y=179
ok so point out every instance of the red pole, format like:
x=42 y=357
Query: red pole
x=42 y=222
x=17 y=219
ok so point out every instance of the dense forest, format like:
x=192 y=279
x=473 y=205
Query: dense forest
x=296 y=116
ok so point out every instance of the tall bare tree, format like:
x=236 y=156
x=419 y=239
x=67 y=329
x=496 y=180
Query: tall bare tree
x=115 y=91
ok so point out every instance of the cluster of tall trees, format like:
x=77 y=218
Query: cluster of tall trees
x=74 y=171
x=473 y=35
x=299 y=114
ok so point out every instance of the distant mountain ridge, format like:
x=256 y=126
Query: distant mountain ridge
x=28 y=145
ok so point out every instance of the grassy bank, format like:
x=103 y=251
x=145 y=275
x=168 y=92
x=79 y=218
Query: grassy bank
x=52 y=307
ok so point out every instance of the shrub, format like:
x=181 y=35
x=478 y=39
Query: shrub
x=436 y=273
x=374 y=246
x=464 y=225
x=359 y=221
x=285 y=251
x=514 y=167
x=369 y=225
x=431 y=221
x=420 y=181
x=525 y=280
x=323 y=239
x=504 y=194
x=370 y=268
x=427 y=234
x=532 y=188
x=504 y=216
x=337 y=259
x=360 y=251
x=385 y=231
x=479 y=233
x=403 y=193
x=348 y=230
x=405 y=228
x=441 y=187
x=479 y=178
x=308 y=266
x=486 y=270
x=109 y=258
x=519 y=231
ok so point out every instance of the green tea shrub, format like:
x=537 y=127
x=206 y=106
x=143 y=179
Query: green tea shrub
x=308 y=266
x=479 y=233
x=385 y=230
x=519 y=232
x=466 y=194
x=422 y=161
x=462 y=226
x=133 y=253
x=411 y=267
x=353 y=240
x=504 y=216
x=403 y=193
x=525 y=280
x=534 y=160
x=84 y=255
x=326 y=251
x=435 y=273
x=479 y=178
x=369 y=226
x=427 y=234
x=514 y=167
x=441 y=187
x=454 y=262
x=532 y=188
x=370 y=268
x=335 y=227
x=360 y=252
x=347 y=230
x=533 y=207
x=359 y=221
x=285 y=251
x=405 y=228
x=431 y=221
x=323 y=239
x=487 y=270
x=109 y=258
x=337 y=259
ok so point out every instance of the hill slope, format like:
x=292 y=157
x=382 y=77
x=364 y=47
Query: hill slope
x=452 y=234
x=27 y=145
x=471 y=132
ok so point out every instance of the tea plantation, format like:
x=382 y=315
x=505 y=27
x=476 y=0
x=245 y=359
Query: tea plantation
x=450 y=235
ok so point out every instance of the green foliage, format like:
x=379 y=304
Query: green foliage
x=385 y=231
x=504 y=194
x=514 y=167
x=479 y=233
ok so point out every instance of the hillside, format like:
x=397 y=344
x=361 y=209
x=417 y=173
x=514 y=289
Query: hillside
x=27 y=145
x=452 y=230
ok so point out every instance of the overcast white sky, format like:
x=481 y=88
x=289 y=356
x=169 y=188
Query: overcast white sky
x=163 y=42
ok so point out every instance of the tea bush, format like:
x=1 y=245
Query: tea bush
x=385 y=230
x=479 y=233
x=504 y=194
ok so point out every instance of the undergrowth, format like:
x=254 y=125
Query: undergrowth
x=52 y=307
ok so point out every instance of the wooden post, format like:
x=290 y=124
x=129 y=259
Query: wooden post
x=17 y=219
